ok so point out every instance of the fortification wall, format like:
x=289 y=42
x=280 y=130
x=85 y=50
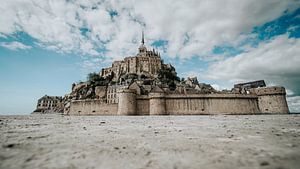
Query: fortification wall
x=272 y=100
x=142 y=105
x=273 y=90
x=92 y=107
x=157 y=104
x=127 y=102
x=263 y=100
x=211 y=104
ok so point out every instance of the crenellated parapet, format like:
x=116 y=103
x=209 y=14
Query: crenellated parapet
x=273 y=90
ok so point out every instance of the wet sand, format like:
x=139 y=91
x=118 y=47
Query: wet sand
x=134 y=142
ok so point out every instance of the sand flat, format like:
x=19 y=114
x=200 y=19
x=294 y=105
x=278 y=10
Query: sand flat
x=55 y=141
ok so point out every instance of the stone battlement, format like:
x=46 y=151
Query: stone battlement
x=92 y=107
x=217 y=96
x=273 y=90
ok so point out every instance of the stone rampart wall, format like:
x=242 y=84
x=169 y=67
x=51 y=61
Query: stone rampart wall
x=273 y=104
x=142 y=105
x=92 y=107
x=211 y=104
x=272 y=90
x=272 y=100
x=130 y=103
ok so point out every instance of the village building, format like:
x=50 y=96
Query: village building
x=112 y=92
x=48 y=104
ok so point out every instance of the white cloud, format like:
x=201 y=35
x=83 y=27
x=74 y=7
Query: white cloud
x=92 y=64
x=216 y=86
x=294 y=103
x=2 y=35
x=14 y=45
x=277 y=61
x=192 y=27
x=206 y=23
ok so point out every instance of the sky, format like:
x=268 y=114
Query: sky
x=46 y=45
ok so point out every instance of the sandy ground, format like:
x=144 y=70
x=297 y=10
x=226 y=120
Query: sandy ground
x=55 y=141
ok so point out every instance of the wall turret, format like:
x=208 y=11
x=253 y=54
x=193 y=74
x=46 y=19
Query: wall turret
x=157 y=103
x=272 y=100
x=127 y=102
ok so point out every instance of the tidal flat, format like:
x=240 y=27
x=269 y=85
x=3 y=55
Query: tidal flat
x=136 y=142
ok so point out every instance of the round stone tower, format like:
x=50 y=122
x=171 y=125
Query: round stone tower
x=127 y=102
x=272 y=100
x=157 y=103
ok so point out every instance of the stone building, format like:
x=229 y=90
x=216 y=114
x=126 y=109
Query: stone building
x=192 y=86
x=111 y=96
x=49 y=104
x=192 y=81
x=245 y=87
x=146 y=62
x=112 y=93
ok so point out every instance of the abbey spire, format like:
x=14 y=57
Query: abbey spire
x=143 y=40
x=142 y=48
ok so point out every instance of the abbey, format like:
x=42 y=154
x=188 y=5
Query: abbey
x=145 y=85
x=146 y=62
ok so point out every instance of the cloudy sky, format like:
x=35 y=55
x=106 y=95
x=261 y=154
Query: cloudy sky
x=46 y=45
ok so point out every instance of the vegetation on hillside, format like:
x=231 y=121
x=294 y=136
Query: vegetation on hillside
x=95 y=79
x=167 y=75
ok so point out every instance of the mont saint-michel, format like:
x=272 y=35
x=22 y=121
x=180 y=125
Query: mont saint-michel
x=145 y=85
x=150 y=84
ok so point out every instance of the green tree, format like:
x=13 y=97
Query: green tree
x=167 y=75
x=96 y=80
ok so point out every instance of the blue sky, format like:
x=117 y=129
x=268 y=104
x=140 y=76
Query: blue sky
x=46 y=46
